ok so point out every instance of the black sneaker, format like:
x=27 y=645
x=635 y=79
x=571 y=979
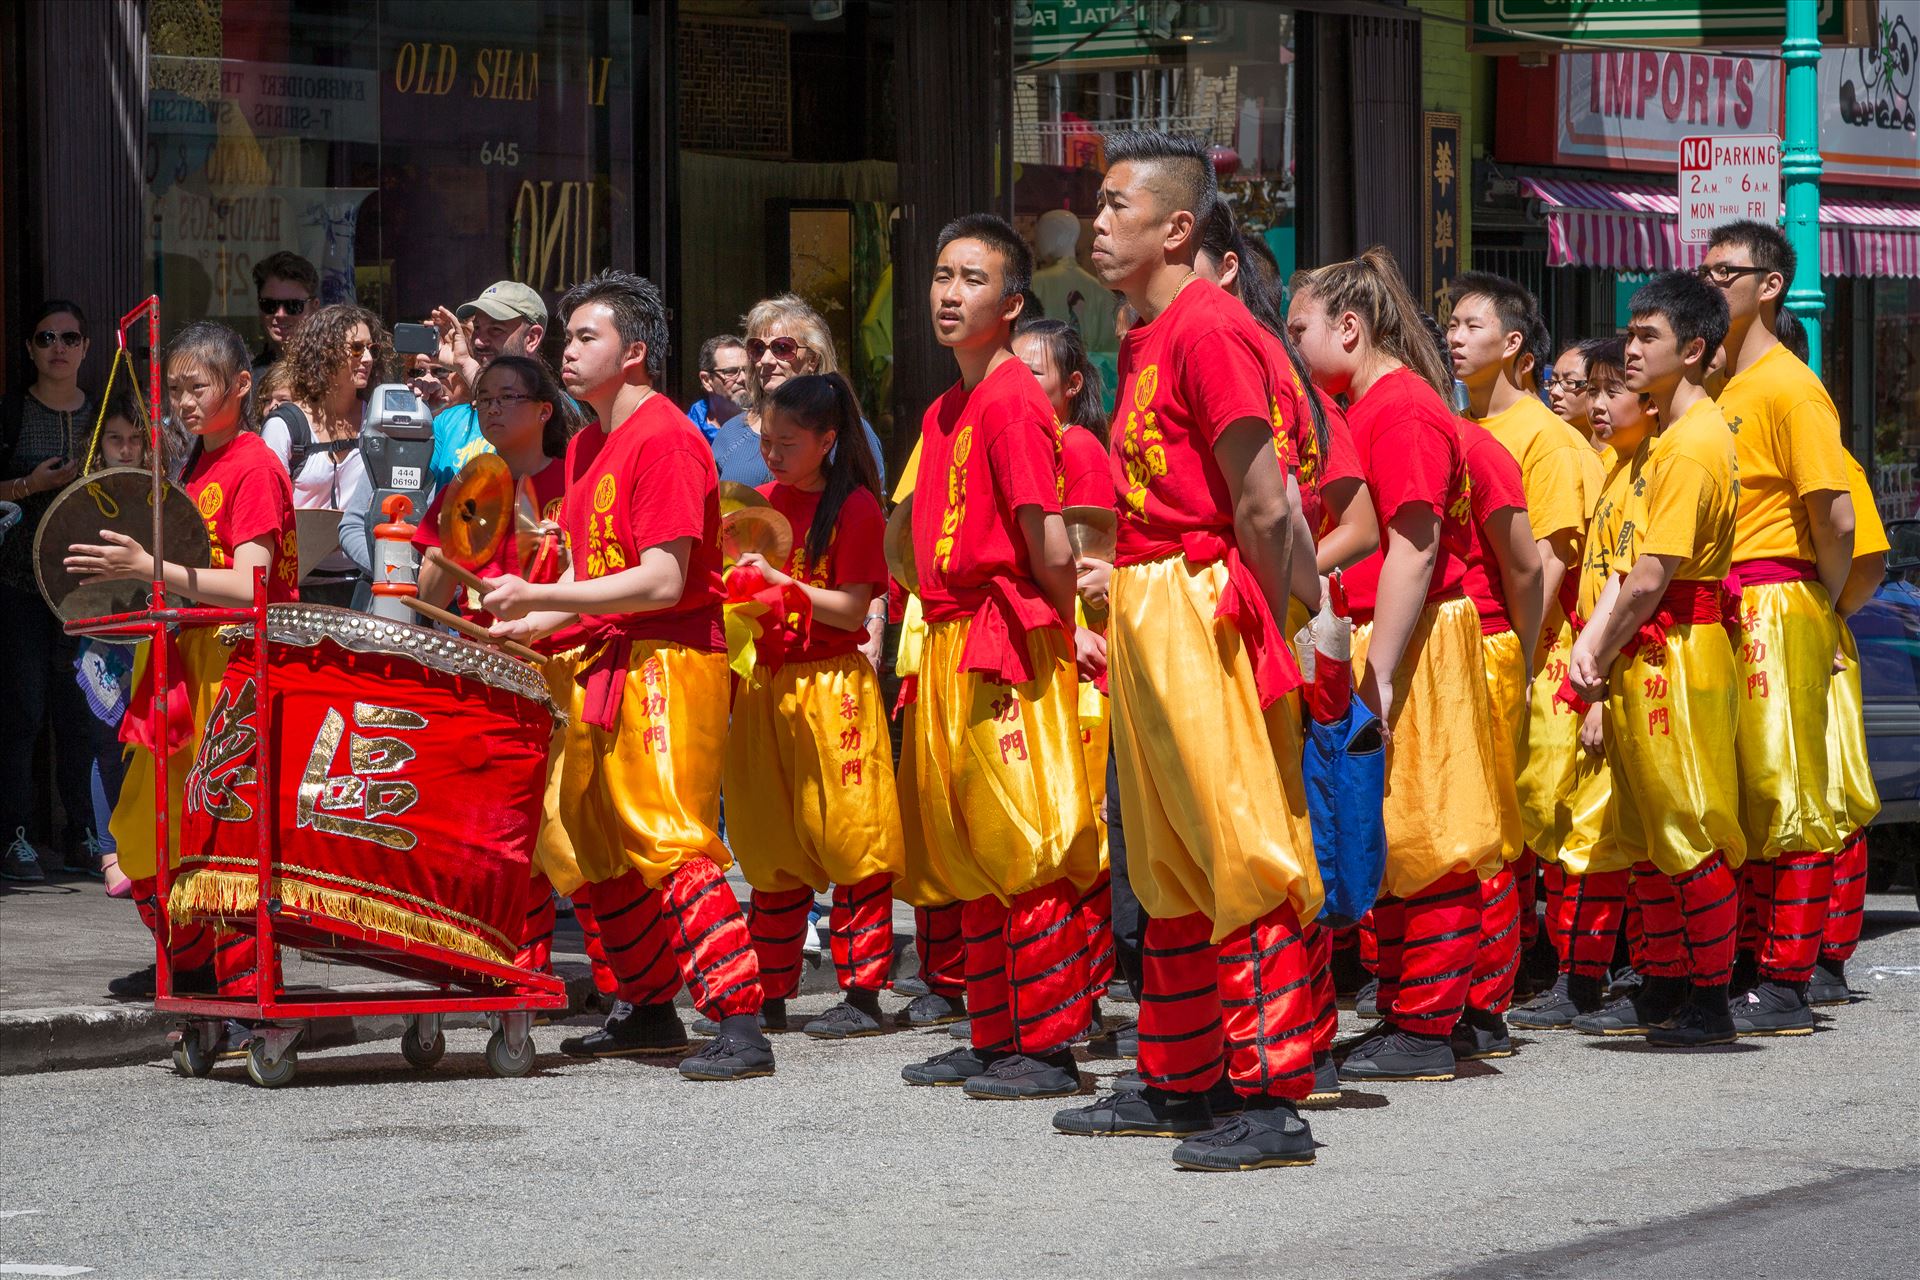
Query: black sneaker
x=843 y=1022
x=1652 y=1003
x=1773 y=1009
x=1829 y=984
x=631 y=1030
x=932 y=1010
x=1120 y=991
x=961 y=1029
x=1693 y=1028
x=730 y=1056
x=1623 y=981
x=1021 y=1076
x=773 y=1017
x=1128 y=1082
x=143 y=984
x=1400 y=1055
x=1347 y=1045
x=912 y=986
x=1551 y=1010
x=21 y=861
x=1148 y=1113
x=954 y=1067
x=1267 y=1138
x=1366 y=1001
x=1326 y=1082
x=1121 y=1042
x=1480 y=1035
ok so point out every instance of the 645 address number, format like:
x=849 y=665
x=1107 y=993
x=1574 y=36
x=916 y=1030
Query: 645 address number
x=500 y=153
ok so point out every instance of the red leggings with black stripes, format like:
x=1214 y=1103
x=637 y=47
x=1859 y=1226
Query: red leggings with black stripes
x=1689 y=923
x=1026 y=970
x=1847 y=909
x=1427 y=944
x=859 y=928
x=1583 y=920
x=941 y=943
x=1783 y=912
x=689 y=929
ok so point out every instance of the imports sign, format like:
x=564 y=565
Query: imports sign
x=1724 y=179
x=1524 y=26
x=1636 y=105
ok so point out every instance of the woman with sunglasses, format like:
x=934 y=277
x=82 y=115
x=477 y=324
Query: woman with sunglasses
x=335 y=360
x=44 y=429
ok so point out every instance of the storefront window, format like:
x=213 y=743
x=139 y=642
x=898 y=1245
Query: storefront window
x=1896 y=397
x=1220 y=72
x=413 y=150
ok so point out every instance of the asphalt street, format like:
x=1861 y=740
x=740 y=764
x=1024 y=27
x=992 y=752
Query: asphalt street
x=1577 y=1157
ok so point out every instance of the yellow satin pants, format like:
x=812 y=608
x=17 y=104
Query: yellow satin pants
x=809 y=777
x=132 y=823
x=1216 y=811
x=553 y=855
x=1788 y=636
x=1506 y=670
x=1548 y=751
x=1850 y=791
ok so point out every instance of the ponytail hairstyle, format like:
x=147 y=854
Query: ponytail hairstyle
x=1069 y=355
x=1372 y=287
x=540 y=383
x=823 y=402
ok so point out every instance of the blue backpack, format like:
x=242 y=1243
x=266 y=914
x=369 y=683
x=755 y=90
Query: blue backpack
x=1345 y=767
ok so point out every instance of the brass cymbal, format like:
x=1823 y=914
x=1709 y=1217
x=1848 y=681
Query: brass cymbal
x=477 y=512
x=758 y=529
x=735 y=496
x=899 y=544
x=117 y=498
x=1093 y=532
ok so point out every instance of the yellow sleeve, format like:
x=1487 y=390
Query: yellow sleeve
x=1679 y=496
x=1556 y=494
x=909 y=476
x=1816 y=461
x=1869 y=535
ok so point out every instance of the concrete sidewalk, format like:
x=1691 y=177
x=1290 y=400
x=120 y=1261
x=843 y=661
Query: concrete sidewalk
x=61 y=943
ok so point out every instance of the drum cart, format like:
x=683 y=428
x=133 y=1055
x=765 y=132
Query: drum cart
x=455 y=982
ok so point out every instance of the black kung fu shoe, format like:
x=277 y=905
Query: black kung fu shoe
x=1148 y=1113
x=953 y=1068
x=1479 y=1035
x=631 y=1030
x=1400 y=1055
x=932 y=1009
x=738 y=1051
x=1366 y=1001
x=1552 y=1010
x=1121 y=1042
x=1702 y=1021
x=856 y=1016
x=1773 y=1009
x=773 y=1017
x=1270 y=1135
x=1020 y=1076
x=1652 y=1003
x=1326 y=1082
x=1829 y=984
x=913 y=986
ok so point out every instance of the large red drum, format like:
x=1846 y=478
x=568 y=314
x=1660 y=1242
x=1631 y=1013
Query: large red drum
x=408 y=772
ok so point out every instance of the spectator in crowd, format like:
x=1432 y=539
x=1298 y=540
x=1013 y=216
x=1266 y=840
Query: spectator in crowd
x=437 y=384
x=723 y=375
x=272 y=387
x=286 y=285
x=1568 y=392
x=339 y=355
x=44 y=429
x=507 y=319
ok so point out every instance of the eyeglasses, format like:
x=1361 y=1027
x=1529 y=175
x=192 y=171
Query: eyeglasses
x=291 y=306
x=67 y=338
x=737 y=372
x=1572 y=386
x=1721 y=273
x=485 y=404
x=357 y=349
x=784 y=349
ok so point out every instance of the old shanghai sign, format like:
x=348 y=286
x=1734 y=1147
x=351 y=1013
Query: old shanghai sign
x=1723 y=180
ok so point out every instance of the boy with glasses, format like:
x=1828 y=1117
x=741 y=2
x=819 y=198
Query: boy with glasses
x=1792 y=551
x=285 y=285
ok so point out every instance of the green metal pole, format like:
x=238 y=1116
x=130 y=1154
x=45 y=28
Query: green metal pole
x=1800 y=169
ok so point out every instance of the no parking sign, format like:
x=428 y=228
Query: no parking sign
x=1723 y=180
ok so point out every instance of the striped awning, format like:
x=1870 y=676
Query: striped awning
x=1636 y=226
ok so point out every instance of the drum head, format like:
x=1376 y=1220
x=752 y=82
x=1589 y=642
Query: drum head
x=899 y=546
x=759 y=529
x=1092 y=532
x=120 y=499
x=478 y=511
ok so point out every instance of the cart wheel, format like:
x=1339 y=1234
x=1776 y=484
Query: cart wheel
x=190 y=1056
x=270 y=1077
x=504 y=1061
x=421 y=1053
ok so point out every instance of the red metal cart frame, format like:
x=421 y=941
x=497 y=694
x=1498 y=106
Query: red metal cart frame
x=458 y=983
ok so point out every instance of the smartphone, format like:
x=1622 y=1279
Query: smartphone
x=416 y=339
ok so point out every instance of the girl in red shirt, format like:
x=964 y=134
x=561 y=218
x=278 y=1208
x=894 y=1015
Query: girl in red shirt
x=243 y=494
x=809 y=779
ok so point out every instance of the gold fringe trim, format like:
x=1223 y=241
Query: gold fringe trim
x=228 y=894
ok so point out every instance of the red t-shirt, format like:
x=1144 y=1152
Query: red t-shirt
x=1410 y=451
x=1198 y=367
x=549 y=491
x=648 y=482
x=1316 y=472
x=1085 y=480
x=243 y=494
x=856 y=556
x=1496 y=484
x=984 y=454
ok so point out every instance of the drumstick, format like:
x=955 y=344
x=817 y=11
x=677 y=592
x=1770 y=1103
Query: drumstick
x=464 y=576
x=468 y=629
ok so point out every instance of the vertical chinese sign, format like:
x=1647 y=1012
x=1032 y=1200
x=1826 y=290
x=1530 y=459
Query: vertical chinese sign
x=1440 y=208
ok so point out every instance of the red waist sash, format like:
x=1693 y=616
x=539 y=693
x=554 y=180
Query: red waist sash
x=1686 y=601
x=1770 y=569
x=1003 y=613
x=1275 y=671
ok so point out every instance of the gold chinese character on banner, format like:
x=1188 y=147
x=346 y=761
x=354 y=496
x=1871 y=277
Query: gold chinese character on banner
x=1443 y=166
x=1443 y=231
x=326 y=799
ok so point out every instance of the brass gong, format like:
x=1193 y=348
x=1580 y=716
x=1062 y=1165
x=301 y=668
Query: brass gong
x=899 y=545
x=735 y=496
x=1092 y=532
x=757 y=529
x=120 y=499
x=478 y=510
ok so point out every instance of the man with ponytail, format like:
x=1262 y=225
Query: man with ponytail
x=1005 y=809
x=1417 y=653
x=1206 y=735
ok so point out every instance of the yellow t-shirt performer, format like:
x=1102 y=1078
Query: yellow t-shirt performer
x=1656 y=651
x=1792 y=551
